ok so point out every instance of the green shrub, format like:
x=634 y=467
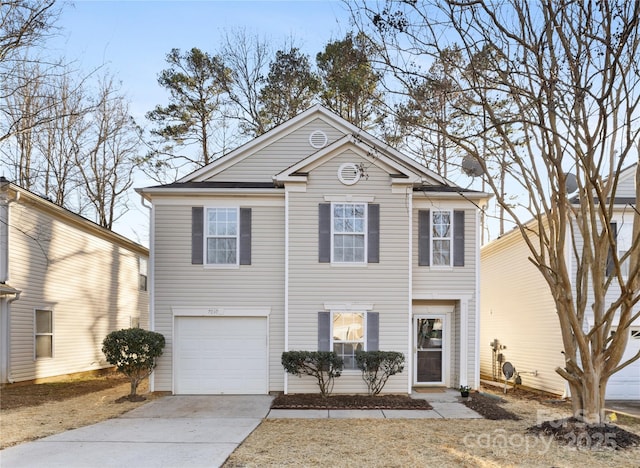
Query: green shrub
x=377 y=367
x=325 y=366
x=134 y=352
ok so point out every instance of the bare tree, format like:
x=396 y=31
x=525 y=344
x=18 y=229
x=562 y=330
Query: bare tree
x=247 y=57
x=568 y=73
x=107 y=163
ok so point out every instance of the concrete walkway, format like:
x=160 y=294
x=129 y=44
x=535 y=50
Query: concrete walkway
x=446 y=405
x=174 y=431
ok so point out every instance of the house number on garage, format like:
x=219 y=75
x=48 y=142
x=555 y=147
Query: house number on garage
x=215 y=311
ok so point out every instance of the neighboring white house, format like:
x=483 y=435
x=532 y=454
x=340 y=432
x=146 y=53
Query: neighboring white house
x=313 y=236
x=518 y=311
x=65 y=283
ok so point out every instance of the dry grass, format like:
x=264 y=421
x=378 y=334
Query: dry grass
x=34 y=422
x=401 y=443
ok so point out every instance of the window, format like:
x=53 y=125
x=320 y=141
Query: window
x=349 y=232
x=142 y=273
x=348 y=336
x=441 y=238
x=624 y=239
x=221 y=232
x=44 y=334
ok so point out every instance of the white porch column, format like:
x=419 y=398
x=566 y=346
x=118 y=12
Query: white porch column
x=464 y=341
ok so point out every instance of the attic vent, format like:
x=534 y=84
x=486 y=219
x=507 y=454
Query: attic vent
x=318 y=139
x=349 y=173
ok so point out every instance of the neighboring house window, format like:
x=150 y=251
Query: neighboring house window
x=44 y=334
x=349 y=232
x=346 y=332
x=142 y=273
x=441 y=238
x=220 y=236
x=348 y=336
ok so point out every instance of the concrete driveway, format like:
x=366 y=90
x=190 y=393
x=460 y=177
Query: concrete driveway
x=173 y=431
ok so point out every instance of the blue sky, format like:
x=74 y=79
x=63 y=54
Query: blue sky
x=131 y=39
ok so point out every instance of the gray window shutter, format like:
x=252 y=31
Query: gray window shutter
x=458 y=238
x=373 y=232
x=614 y=230
x=324 y=331
x=324 y=233
x=424 y=237
x=373 y=331
x=197 y=233
x=245 y=236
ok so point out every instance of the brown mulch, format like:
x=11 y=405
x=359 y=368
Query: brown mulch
x=574 y=433
x=489 y=407
x=20 y=395
x=316 y=401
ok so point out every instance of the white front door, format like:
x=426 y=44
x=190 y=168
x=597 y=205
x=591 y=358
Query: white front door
x=430 y=334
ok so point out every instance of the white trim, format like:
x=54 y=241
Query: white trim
x=410 y=290
x=442 y=296
x=220 y=311
x=286 y=282
x=152 y=287
x=349 y=198
x=464 y=343
x=349 y=306
x=476 y=348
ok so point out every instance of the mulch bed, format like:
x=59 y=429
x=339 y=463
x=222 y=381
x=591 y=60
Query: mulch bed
x=488 y=407
x=315 y=401
x=575 y=433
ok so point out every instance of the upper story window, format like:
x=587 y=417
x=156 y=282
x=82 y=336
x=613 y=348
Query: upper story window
x=441 y=240
x=441 y=234
x=349 y=232
x=43 y=334
x=222 y=236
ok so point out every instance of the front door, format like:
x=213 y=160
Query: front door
x=430 y=334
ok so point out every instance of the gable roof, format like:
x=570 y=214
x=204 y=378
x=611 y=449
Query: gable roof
x=70 y=217
x=354 y=133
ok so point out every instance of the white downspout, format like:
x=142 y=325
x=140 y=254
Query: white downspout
x=151 y=277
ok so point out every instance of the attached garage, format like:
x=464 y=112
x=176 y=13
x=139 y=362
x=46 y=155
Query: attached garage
x=220 y=355
x=625 y=384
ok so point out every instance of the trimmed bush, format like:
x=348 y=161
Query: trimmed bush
x=134 y=352
x=325 y=366
x=377 y=367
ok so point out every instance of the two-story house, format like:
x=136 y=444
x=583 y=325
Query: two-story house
x=519 y=320
x=313 y=236
x=65 y=283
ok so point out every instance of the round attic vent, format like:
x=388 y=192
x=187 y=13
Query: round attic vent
x=318 y=139
x=348 y=173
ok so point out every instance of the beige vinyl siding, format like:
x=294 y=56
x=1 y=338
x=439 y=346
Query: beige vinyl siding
x=313 y=284
x=438 y=283
x=178 y=283
x=518 y=310
x=89 y=282
x=262 y=165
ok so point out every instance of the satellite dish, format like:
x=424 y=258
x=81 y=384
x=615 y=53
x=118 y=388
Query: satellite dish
x=508 y=370
x=571 y=182
x=471 y=166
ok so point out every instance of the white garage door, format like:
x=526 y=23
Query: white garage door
x=215 y=355
x=625 y=384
